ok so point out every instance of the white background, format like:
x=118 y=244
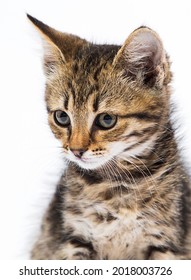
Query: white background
x=29 y=155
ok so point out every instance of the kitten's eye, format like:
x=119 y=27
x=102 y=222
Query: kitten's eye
x=61 y=118
x=106 y=121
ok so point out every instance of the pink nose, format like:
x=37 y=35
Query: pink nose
x=78 y=153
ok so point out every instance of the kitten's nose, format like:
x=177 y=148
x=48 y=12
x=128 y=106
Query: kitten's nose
x=78 y=152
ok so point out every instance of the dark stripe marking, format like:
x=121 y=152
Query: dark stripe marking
x=149 y=130
x=90 y=177
x=72 y=91
x=143 y=116
x=79 y=241
x=82 y=255
x=162 y=249
x=66 y=102
x=136 y=144
x=48 y=109
x=96 y=104
x=152 y=249
x=105 y=217
x=114 y=191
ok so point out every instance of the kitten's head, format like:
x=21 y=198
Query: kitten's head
x=105 y=102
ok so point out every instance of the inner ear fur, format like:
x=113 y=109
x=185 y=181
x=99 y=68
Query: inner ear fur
x=143 y=58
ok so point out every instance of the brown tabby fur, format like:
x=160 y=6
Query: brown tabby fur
x=137 y=204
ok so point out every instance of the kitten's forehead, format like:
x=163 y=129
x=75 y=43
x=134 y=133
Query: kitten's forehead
x=89 y=82
x=88 y=73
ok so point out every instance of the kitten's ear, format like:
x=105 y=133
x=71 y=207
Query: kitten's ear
x=143 y=58
x=58 y=47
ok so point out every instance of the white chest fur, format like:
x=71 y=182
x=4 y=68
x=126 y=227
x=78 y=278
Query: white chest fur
x=117 y=236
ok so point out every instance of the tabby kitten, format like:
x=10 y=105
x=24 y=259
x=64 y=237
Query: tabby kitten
x=125 y=193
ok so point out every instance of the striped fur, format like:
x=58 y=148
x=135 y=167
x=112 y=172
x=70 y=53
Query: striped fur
x=125 y=193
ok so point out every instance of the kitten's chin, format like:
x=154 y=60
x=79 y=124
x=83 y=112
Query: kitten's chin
x=90 y=164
